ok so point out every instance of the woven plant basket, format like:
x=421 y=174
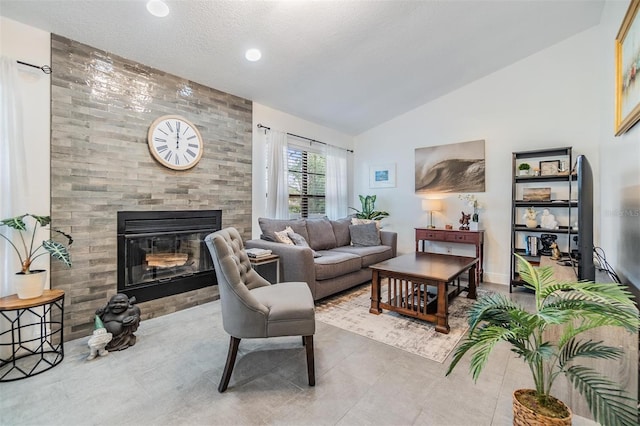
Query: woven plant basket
x=524 y=416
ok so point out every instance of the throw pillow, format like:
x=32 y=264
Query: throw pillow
x=283 y=236
x=364 y=235
x=300 y=241
x=357 y=221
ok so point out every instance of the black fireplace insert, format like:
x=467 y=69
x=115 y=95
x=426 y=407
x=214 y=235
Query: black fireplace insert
x=162 y=253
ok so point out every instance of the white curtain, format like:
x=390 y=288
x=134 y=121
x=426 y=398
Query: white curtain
x=13 y=176
x=277 y=188
x=336 y=185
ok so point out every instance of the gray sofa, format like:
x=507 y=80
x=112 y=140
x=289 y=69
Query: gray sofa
x=338 y=265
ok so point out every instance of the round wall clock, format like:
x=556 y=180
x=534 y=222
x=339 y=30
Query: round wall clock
x=175 y=142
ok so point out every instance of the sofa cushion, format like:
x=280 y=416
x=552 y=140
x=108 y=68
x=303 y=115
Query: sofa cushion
x=334 y=263
x=269 y=226
x=369 y=255
x=321 y=235
x=364 y=235
x=341 y=231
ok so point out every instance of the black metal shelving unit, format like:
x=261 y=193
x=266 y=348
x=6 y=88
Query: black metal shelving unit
x=566 y=206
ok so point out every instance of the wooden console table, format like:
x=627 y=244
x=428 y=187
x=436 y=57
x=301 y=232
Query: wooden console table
x=475 y=238
x=33 y=334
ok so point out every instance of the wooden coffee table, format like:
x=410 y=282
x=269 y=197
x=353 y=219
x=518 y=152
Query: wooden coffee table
x=421 y=284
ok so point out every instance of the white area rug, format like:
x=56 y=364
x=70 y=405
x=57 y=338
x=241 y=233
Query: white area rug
x=350 y=311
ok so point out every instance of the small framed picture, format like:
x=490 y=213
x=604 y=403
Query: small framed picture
x=549 y=168
x=382 y=176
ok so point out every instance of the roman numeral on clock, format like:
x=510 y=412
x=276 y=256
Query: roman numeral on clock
x=169 y=126
x=168 y=156
x=177 y=160
x=162 y=148
x=191 y=153
x=157 y=139
x=193 y=145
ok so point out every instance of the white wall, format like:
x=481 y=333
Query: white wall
x=33 y=46
x=550 y=99
x=620 y=165
x=279 y=120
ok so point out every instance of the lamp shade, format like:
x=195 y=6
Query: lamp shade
x=431 y=205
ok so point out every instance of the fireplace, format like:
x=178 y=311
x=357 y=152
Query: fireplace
x=162 y=253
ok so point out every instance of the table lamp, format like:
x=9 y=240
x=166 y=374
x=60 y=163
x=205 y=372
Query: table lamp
x=431 y=206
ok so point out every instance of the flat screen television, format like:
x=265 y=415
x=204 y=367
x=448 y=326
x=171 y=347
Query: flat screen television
x=584 y=257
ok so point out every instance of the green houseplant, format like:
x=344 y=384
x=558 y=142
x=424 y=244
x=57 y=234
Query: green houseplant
x=524 y=168
x=32 y=250
x=368 y=208
x=575 y=307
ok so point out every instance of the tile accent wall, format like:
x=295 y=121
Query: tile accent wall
x=101 y=109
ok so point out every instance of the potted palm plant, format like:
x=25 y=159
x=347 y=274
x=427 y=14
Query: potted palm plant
x=575 y=307
x=368 y=208
x=30 y=283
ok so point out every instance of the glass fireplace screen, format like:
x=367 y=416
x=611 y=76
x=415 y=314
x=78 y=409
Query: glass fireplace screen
x=163 y=257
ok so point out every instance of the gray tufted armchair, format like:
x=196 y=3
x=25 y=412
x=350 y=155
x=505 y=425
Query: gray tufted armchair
x=252 y=307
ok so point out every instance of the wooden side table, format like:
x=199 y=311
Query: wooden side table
x=475 y=238
x=33 y=334
x=259 y=262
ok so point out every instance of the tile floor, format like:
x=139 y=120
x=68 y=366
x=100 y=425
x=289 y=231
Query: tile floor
x=170 y=377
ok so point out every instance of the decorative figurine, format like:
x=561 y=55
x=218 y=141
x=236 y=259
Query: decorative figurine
x=99 y=340
x=464 y=221
x=555 y=251
x=121 y=318
x=530 y=217
x=547 y=241
x=547 y=220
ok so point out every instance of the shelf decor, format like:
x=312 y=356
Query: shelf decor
x=549 y=168
x=627 y=112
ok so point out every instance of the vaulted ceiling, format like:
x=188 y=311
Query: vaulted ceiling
x=348 y=65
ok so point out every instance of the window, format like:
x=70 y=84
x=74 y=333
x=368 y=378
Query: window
x=306 y=178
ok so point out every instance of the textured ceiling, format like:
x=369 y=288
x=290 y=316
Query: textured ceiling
x=348 y=65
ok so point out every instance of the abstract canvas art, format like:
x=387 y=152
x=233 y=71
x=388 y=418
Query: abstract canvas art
x=457 y=167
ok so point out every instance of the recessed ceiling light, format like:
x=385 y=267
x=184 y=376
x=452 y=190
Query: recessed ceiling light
x=158 y=8
x=253 y=55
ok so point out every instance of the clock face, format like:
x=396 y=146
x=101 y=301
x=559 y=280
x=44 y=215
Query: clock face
x=175 y=142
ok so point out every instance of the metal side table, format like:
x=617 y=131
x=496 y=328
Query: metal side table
x=31 y=334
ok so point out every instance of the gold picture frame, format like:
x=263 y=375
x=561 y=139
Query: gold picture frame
x=628 y=70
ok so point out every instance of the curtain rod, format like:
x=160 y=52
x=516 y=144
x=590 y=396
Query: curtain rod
x=45 y=68
x=261 y=126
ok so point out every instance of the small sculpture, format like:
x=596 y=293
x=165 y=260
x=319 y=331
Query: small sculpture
x=121 y=318
x=464 y=221
x=547 y=220
x=530 y=217
x=547 y=241
x=99 y=340
x=555 y=251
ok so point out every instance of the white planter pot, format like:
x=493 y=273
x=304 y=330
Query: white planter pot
x=524 y=172
x=29 y=286
x=474 y=226
x=531 y=223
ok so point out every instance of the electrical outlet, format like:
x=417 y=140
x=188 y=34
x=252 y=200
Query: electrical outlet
x=448 y=250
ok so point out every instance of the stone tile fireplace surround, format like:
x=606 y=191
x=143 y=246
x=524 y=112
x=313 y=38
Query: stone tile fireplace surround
x=101 y=108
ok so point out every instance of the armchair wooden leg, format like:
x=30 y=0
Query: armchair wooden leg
x=311 y=369
x=231 y=360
